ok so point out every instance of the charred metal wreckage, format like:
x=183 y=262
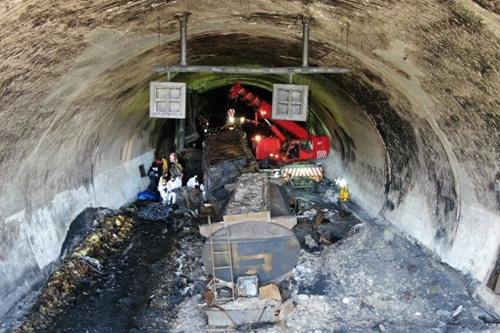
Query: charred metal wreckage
x=250 y=245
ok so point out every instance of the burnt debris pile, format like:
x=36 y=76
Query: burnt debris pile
x=154 y=211
x=78 y=271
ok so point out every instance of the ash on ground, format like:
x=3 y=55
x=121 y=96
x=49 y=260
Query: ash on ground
x=350 y=277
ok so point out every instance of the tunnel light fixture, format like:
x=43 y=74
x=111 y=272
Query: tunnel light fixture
x=341 y=182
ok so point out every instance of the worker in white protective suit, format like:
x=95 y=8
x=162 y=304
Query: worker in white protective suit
x=163 y=189
x=203 y=192
x=169 y=190
x=193 y=182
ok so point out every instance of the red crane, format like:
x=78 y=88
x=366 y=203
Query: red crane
x=301 y=145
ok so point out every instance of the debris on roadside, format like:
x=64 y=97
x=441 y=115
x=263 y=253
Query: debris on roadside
x=331 y=196
x=318 y=218
x=311 y=243
x=153 y=280
x=192 y=197
x=325 y=238
x=321 y=222
x=154 y=211
x=62 y=287
x=92 y=262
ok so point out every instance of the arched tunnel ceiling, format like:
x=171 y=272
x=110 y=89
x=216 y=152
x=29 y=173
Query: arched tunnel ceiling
x=373 y=38
x=415 y=124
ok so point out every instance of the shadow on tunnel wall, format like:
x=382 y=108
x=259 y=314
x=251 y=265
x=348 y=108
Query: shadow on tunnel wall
x=416 y=164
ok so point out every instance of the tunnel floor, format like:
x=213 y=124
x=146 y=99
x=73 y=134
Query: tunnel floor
x=144 y=264
x=120 y=299
x=152 y=280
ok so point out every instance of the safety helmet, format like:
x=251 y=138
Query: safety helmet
x=173 y=157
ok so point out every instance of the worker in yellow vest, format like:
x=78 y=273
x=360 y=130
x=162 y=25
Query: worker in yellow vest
x=165 y=164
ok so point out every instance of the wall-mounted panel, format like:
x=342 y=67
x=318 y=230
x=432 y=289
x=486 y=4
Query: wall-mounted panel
x=290 y=102
x=167 y=100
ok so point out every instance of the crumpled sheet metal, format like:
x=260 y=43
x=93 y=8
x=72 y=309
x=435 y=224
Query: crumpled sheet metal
x=219 y=317
x=154 y=211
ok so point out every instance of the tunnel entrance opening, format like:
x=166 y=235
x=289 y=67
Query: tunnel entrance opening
x=217 y=102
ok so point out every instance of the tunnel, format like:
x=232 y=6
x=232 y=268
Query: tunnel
x=414 y=125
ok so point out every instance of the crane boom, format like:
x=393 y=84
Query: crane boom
x=263 y=110
x=300 y=146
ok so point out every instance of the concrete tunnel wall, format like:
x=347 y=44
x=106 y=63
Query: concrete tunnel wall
x=409 y=125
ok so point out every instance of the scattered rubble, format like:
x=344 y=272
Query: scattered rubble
x=322 y=219
x=76 y=272
x=154 y=211
x=311 y=243
x=135 y=275
x=372 y=280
